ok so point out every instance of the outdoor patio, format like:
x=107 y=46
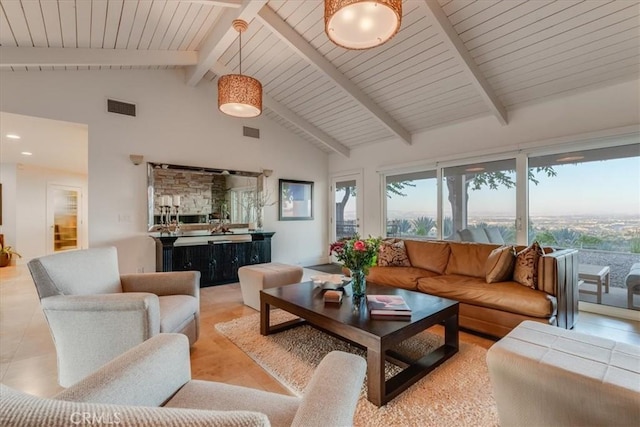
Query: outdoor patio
x=619 y=264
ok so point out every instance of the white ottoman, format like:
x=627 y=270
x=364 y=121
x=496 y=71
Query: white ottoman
x=255 y=277
x=543 y=375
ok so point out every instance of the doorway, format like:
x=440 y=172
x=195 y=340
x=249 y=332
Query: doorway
x=64 y=218
x=43 y=153
x=347 y=206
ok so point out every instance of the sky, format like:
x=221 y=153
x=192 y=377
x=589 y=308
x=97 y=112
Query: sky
x=610 y=187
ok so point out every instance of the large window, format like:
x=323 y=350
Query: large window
x=412 y=201
x=479 y=201
x=591 y=202
x=585 y=199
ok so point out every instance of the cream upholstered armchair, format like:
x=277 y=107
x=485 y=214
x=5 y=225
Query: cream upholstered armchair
x=96 y=314
x=130 y=389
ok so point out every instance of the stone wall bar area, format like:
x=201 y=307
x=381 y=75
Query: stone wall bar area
x=217 y=257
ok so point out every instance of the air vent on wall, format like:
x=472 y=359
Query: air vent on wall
x=120 y=107
x=250 y=132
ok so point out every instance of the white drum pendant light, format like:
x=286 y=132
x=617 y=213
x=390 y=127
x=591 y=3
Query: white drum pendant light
x=238 y=95
x=361 y=24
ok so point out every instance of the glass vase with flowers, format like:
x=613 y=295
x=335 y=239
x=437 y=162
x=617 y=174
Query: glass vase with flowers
x=358 y=255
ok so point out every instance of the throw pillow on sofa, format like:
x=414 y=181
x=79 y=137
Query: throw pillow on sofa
x=500 y=264
x=393 y=254
x=525 y=271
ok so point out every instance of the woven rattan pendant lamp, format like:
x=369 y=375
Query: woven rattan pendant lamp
x=238 y=95
x=361 y=24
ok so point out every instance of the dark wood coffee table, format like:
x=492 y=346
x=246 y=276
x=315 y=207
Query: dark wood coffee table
x=377 y=337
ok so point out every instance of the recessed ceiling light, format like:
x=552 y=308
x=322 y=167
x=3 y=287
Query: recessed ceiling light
x=476 y=169
x=27 y=153
x=12 y=136
x=570 y=158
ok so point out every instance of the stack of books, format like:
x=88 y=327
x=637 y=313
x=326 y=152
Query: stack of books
x=388 y=307
x=333 y=297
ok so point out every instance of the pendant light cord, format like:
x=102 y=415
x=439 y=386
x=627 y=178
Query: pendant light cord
x=240 y=38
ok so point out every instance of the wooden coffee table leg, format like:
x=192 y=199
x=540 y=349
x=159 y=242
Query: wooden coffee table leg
x=375 y=377
x=451 y=332
x=265 y=310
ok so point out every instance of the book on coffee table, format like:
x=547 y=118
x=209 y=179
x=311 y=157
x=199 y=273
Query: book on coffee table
x=388 y=305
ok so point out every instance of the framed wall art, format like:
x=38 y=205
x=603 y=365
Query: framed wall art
x=296 y=200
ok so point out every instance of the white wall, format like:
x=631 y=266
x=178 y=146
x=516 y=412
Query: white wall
x=175 y=124
x=31 y=208
x=537 y=124
x=8 y=179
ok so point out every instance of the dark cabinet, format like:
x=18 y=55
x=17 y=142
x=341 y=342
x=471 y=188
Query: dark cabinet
x=258 y=252
x=217 y=261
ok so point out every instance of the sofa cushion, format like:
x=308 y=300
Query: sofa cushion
x=468 y=259
x=393 y=254
x=176 y=311
x=525 y=271
x=429 y=255
x=506 y=296
x=399 y=277
x=499 y=265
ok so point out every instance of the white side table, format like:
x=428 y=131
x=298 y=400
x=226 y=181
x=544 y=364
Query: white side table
x=598 y=274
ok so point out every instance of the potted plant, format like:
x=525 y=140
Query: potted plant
x=6 y=252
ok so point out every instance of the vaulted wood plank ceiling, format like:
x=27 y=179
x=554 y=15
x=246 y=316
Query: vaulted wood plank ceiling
x=452 y=60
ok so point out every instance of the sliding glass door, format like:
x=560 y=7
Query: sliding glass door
x=591 y=202
x=347 y=206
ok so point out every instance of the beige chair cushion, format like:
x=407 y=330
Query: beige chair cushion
x=176 y=311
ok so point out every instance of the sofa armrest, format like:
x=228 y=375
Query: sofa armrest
x=108 y=324
x=18 y=409
x=558 y=276
x=146 y=375
x=331 y=397
x=161 y=284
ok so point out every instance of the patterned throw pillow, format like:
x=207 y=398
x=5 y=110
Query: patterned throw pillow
x=526 y=269
x=500 y=263
x=393 y=254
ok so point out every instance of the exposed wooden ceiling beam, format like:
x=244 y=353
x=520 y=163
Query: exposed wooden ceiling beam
x=294 y=119
x=296 y=42
x=221 y=37
x=306 y=127
x=72 y=57
x=456 y=46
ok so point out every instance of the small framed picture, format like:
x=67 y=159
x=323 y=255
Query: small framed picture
x=296 y=200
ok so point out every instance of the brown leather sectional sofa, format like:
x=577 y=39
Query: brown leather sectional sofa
x=456 y=270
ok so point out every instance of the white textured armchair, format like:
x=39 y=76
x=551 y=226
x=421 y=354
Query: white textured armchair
x=130 y=389
x=95 y=314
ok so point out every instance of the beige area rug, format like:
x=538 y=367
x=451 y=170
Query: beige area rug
x=457 y=393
